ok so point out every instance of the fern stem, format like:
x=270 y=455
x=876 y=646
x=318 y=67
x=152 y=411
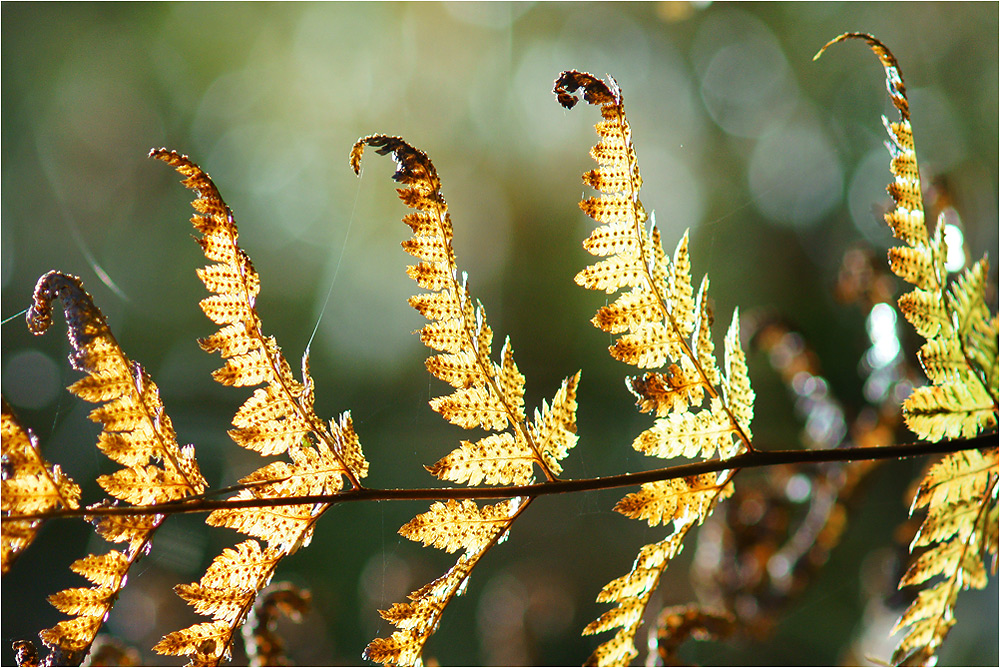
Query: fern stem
x=755 y=459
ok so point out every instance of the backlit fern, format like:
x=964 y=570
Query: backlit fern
x=702 y=408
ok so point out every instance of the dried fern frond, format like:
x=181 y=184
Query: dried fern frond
x=278 y=418
x=263 y=645
x=960 y=359
x=486 y=394
x=30 y=485
x=660 y=322
x=137 y=434
x=675 y=625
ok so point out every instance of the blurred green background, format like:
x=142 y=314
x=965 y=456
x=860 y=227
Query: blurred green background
x=774 y=161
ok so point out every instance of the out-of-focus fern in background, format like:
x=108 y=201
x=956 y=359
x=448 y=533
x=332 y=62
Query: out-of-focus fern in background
x=775 y=162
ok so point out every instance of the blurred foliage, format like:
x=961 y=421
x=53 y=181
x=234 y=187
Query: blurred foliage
x=774 y=161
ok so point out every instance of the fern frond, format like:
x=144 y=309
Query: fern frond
x=660 y=321
x=137 y=433
x=450 y=527
x=264 y=646
x=278 y=418
x=30 y=485
x=959 y=358
x=486 y=394
x=631 y=592
x=418 y=619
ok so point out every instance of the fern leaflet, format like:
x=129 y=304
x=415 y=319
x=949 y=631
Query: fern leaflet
x=30 y=485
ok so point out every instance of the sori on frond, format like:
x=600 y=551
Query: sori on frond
x=485 y=394
x=660 y=323
x=278 y=418
x=136 y=434
x=959 y=357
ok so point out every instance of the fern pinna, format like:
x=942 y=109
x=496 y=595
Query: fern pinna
x=136 y=433
x=487 y=394
x=959 y=493
x=278 y=418
x=700 y=410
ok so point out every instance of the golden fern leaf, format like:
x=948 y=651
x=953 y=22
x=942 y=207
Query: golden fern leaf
x=486 y=394
x=137 y=433
x=30 y=485
x=458 y=525
x=960 y=360
x=277 y=418
x=233 y=577
x=452 y=527
x=659 y=322
x=658 y=315
x=631 y=594
x=675 y=500
x=419 y=618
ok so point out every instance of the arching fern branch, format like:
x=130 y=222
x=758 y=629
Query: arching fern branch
x=959 y=357
x=137 y=434
x=486 y=394
x=700 y=410
x=278 y=418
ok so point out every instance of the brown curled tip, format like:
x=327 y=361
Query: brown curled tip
x=595 y=91
x=412 y=165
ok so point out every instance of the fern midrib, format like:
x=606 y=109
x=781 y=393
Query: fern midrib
x=639 y=231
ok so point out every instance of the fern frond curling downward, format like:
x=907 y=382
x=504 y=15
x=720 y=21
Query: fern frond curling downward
x=484 y=394
x=959 y=358
x=660 y=322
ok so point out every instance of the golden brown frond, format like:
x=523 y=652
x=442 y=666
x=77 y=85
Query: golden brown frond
x=30 y=485
x=227 y=590
x=631 y=592
x=277 y=418
x=486 y=394
x=959 y=358
x=137 y=433
x=660 y=322
x=264 y=647
x=676 y=624
x=418 y=619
